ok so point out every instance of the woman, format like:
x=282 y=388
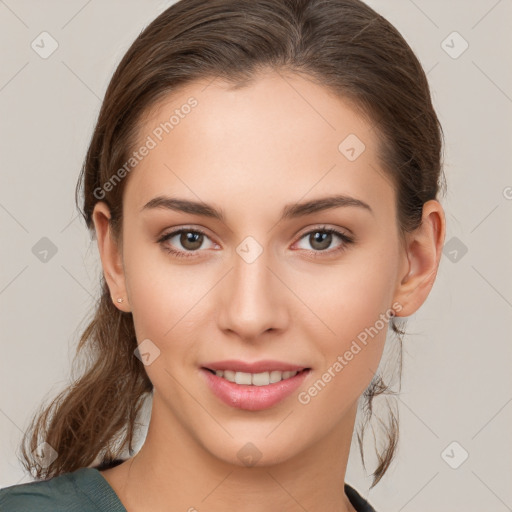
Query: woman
x=262 y=183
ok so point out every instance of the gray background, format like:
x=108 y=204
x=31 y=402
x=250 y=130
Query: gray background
x=457 y=378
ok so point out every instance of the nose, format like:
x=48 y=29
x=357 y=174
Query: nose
x=253 y=300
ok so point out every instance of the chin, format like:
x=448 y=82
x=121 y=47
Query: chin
x=257 y=450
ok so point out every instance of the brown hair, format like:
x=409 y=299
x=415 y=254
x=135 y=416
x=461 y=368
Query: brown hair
x=343 y=45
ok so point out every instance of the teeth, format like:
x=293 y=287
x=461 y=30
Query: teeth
x=276 y=376
x=243 y=378
x=259 y=379
x=255 y=379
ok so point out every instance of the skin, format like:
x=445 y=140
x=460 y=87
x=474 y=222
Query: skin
x=249 y=152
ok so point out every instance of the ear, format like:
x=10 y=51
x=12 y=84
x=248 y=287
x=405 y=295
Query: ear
x=423 y=254
x=111 y=256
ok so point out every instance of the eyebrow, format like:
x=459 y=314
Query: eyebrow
x=290 y=211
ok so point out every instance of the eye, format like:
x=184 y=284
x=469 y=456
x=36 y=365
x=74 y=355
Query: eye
x=190 y=240
x=322 y=238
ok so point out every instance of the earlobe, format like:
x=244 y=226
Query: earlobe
x=110 y=255
x=424 y=249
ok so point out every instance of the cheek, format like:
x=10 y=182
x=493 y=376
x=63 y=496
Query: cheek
x=162 y=293
x=166 y=306
x=354 y=309
x=346 y=299
x=350 y=357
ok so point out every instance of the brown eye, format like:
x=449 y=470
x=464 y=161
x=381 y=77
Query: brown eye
x=191 y=240
x=185 y=242
x=320 y=240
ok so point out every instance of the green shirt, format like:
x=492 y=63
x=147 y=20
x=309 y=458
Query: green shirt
x=86 y=490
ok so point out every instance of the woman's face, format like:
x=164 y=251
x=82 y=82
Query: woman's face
x=258 y=278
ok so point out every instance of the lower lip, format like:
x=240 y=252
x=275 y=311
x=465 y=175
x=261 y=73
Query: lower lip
x=253 y=398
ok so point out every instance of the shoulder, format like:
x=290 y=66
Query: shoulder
x=68 y=492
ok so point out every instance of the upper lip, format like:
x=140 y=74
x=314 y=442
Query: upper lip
x=254 y=367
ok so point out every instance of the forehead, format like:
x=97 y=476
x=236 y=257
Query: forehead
x=278 y=138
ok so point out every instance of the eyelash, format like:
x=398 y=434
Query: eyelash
x=347 y=240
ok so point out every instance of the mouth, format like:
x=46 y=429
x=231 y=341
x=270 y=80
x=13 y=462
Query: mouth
x=253 y=391
x=256 y=379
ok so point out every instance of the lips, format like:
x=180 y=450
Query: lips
x=254 y=396
x=255 y=367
